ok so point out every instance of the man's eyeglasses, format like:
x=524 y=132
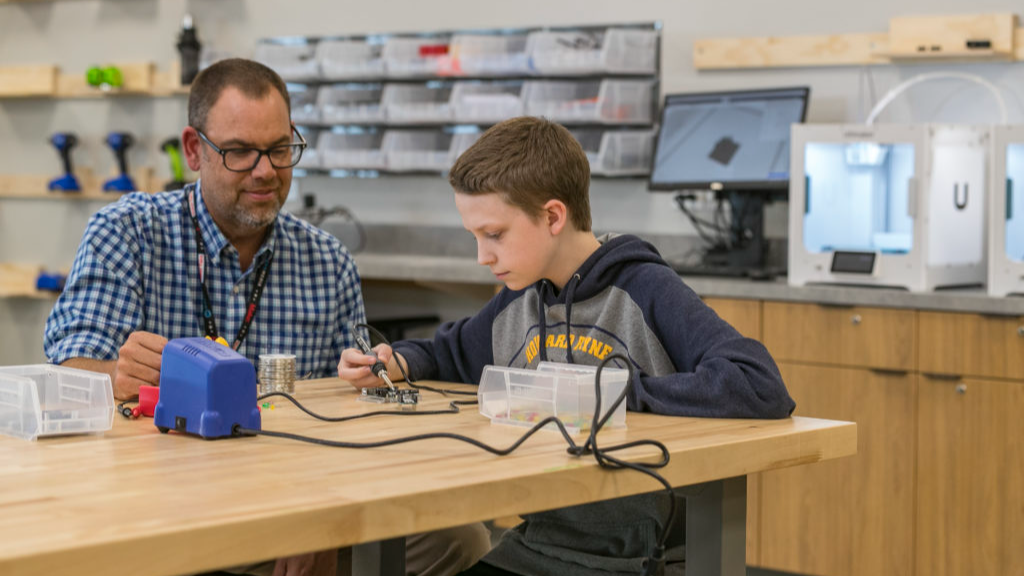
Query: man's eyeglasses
x=245 y=159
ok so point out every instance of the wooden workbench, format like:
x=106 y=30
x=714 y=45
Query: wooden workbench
x=134 y=501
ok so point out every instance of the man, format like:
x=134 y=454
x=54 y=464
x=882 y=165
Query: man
x=138 y=279
x=220 y=259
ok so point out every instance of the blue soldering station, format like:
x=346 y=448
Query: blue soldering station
x=206 y=389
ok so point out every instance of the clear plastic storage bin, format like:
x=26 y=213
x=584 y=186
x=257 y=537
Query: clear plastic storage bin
x=351 y=151
x=604 y=102
x=47 y=400
x=524 y=397
x=475 y=102
x=304 y=107
x=349 y=59
x=414 y=57
x=615 y=50
x=487 y=55
x=461 y=141
x=417 y=104
x=416 y=150
x=351 y=103
x=293 y=62
x=617 y=152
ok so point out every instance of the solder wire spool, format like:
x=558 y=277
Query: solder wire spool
x=277 y=373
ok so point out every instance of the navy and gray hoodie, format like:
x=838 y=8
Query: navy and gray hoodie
x=624 y=299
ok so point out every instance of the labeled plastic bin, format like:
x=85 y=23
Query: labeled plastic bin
x=417 y=104
x=417 y=150
x=293 y=62
x=349 y=60
x=351 y=151
x=485 y=103
x=486 y=55
x=617 y=152
x=351 y=104
x=414 y=57
x=523 y=397
x=602 y=102
x=304 y=106
x=46 y=400
x=614 y=50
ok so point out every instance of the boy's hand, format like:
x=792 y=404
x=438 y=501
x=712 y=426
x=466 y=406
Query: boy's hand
x=354 y=366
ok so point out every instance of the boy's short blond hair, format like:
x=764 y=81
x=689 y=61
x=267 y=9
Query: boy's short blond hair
x=529 y=161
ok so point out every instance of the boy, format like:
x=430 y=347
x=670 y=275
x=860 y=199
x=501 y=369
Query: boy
x=522 y=191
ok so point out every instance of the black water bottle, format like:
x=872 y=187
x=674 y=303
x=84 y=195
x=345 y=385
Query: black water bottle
x=188 y=47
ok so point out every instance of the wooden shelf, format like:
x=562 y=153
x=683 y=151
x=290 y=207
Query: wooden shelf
x=925 y=39
x=947 y=56
x=19 y=281
x=47 y=81
x=777 y=52
x=34 y=186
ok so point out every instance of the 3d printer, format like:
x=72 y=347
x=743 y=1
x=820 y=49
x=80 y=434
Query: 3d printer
x=890 y=205
x=1006 y=215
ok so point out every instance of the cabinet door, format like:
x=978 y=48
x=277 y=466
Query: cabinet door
x=971 y=345
x=848 y=336
x=970 y=478
x=743 y=315
x=852 y=516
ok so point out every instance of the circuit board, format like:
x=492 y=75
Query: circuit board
x=406 y=398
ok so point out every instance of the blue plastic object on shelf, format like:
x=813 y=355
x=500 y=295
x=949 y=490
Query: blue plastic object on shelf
x=206 y=389
x=64 y=142
x=51 y=281
x=119 y=142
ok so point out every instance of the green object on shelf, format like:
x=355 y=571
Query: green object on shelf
x=113 y=77
x=94 y=76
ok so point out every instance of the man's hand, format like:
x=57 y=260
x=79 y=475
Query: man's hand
x=354 y=366
x=138 y=364
x=323 y=563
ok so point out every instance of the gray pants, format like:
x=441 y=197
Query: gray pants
x=440 y=553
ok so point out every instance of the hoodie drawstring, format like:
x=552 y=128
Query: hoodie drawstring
x=570 y=292
x=542 y=293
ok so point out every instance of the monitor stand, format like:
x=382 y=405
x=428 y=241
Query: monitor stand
x=745 y=254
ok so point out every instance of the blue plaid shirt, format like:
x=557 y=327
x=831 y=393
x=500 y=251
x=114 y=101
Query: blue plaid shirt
x=137 y=269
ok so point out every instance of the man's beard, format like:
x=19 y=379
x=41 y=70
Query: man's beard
x=258 y=218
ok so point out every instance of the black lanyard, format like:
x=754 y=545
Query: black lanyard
x=262 y=271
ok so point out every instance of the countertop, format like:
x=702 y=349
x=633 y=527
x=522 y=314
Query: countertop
x=464 y=269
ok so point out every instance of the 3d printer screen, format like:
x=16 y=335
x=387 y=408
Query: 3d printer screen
x=739 y=140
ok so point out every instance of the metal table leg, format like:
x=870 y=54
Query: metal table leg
x=383 y=558
x=716 y=527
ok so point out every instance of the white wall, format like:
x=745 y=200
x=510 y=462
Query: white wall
x=79 y=33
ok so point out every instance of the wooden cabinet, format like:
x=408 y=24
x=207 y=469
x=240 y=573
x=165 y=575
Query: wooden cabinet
x=853 y=516
x=970 y=477
x=743 y=315
x=844 y=336
x=937 y=485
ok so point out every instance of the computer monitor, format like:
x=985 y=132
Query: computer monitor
x=726 y=140
x=736 y=144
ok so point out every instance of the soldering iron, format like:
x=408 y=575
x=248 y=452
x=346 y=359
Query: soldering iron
x=379 y=369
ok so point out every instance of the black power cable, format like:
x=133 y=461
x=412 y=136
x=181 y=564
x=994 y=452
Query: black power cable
x=653 y=565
